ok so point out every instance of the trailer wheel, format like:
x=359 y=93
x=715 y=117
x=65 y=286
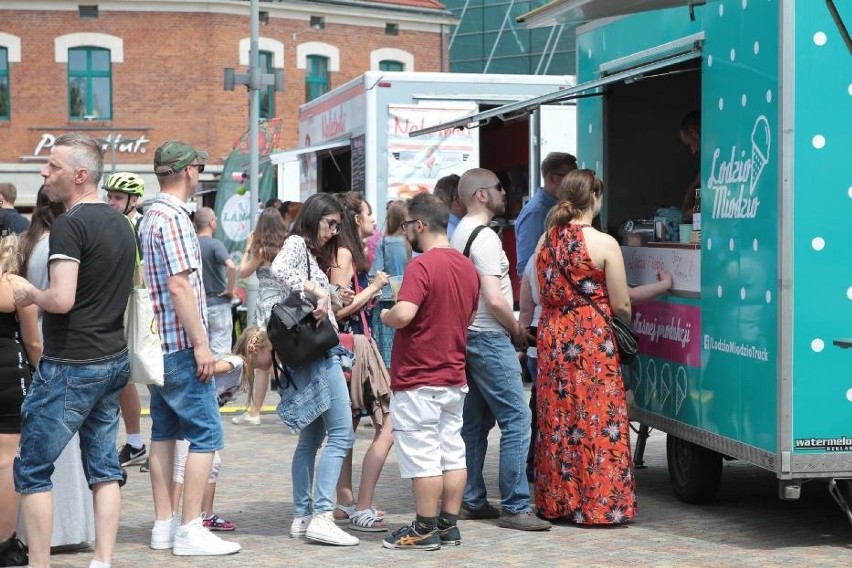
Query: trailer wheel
x=694 y=471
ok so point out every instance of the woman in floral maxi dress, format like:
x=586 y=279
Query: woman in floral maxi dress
x=584 y=471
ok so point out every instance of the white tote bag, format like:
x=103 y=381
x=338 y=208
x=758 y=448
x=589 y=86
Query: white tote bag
x=143 y=339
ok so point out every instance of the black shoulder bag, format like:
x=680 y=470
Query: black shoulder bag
x=472 y=238
x=625 y=338
x=296 y=336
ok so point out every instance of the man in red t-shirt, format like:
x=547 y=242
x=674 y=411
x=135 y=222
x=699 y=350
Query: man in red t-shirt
x=436 y=303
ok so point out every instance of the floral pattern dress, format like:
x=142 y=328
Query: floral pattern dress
x=583 y=467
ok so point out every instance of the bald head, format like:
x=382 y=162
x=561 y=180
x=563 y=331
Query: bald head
x=471 y=181
x=204 y=218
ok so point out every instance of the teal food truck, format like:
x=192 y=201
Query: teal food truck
x=745 y=357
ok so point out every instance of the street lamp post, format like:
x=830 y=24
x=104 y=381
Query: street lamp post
x=254 y=81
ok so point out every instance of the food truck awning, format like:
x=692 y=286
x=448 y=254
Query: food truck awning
x=561 y=12
x=627 y=69
x=290 y=155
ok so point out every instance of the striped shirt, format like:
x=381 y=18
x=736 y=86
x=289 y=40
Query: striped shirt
x=170 y=247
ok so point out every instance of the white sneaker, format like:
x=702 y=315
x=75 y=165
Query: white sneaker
x=192 y=539
x=163 y=533
x=323 y=529
x=300 y=526
x=246 y=418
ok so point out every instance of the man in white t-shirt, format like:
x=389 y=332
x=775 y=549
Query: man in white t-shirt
x=493 y=371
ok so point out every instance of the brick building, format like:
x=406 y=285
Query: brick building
x=135 y=73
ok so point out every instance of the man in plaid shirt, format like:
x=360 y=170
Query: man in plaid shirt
x=185 y=407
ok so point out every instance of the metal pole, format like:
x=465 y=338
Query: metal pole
x=254 y=85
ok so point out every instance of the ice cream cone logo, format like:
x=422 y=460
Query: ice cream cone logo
x=760 y=143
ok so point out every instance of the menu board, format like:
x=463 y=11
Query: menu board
x=359 y=176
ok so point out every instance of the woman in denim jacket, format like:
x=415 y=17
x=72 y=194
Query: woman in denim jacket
x=312 y=243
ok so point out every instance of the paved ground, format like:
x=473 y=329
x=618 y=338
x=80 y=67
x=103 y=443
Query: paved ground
x=746 y=526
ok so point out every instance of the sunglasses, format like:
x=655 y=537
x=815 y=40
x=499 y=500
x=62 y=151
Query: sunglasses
x=199 y=166
x=498 y=186
x=332 y=224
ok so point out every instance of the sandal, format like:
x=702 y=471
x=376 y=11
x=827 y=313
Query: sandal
x=217 y=523
x=367 y=521
x=348 y=510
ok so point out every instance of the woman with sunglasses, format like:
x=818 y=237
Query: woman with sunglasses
x=312 y=244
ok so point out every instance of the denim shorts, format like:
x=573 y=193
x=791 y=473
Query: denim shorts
x=65 y=398
x=185 y=408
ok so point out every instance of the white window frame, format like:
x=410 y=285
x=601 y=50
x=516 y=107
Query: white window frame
x=393 y=54
x=63 y=43
x=13 y=46
x=303 y=50
x=273 y=46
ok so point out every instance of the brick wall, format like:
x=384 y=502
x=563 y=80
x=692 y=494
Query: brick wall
x=171 y=81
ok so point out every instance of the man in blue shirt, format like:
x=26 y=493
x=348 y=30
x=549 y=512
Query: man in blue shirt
x=529 y=226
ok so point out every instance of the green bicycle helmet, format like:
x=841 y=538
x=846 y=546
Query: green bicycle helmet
x=125 y=182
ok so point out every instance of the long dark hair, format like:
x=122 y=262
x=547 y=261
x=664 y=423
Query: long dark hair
x=269 y=234
x=307 y=223
x=352 y=203
x=44 y=214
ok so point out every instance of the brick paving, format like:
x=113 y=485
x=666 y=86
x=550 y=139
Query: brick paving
x=746 y=526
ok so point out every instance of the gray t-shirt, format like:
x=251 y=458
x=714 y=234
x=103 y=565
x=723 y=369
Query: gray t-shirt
x=213 y=273
x=490 y=259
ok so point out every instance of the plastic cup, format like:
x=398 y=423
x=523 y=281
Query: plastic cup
x=685 y=232
x=396 y=281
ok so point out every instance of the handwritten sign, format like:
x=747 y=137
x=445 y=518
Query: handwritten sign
x=643 y=263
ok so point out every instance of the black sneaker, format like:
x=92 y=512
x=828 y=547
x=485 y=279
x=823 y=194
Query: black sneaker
x=450 y=536
x=524 y=521
x=485 y=512
x=13 y=553
x=408 y=538
x=131 y=456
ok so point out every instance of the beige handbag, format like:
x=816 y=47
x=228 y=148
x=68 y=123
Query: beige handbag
x=140 y=330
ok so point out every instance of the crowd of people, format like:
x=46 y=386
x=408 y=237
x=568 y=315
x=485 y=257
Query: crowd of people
x=432 y=362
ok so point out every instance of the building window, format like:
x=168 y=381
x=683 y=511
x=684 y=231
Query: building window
x=267 y=95
x=5 y=111
x=89 y=84
x=316 y=77
x=391 y=65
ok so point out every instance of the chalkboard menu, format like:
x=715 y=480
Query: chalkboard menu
x=359 y=174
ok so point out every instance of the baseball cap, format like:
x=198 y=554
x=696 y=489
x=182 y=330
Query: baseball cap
x=7 y=227
x=174 y=156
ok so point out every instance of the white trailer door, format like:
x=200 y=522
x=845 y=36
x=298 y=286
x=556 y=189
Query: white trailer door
x=553 y=128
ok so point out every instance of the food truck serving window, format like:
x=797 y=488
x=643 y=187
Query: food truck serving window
x=687 y=52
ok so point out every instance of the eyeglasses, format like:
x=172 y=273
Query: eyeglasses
x=332 y=224
x=199 y=166
x=406 y=224
x=498 y=186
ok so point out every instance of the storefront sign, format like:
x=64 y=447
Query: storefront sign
x=415 y=164
x=734 y=180
x=669 y=331
x=121 y=143
x=338 y=117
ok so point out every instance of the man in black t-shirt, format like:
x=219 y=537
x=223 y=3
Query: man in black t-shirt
x=85 y=363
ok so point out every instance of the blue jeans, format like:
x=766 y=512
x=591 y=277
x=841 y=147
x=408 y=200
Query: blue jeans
x=185 y=408
x=65 y=398
x=336 y=422
x=496 y=394
x=220 y=327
